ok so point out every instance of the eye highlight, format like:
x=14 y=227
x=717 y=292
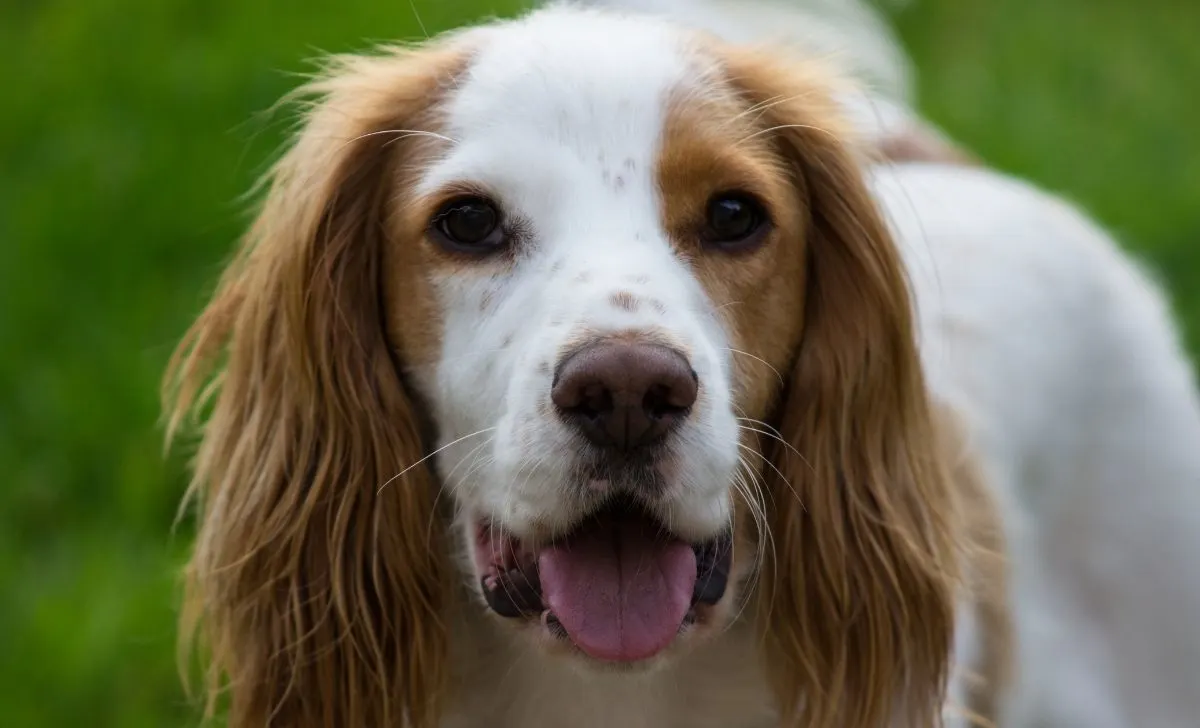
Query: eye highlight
x=734 y=221
x=469 y=224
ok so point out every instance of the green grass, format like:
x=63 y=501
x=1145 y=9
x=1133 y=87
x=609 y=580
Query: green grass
x=127 y=132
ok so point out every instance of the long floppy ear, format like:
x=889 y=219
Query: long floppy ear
x=858 y=597
x=318 y=593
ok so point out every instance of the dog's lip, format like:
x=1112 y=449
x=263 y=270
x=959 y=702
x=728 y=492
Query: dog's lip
x=511 y=585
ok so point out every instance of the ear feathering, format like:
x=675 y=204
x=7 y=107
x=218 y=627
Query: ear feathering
x=858 y=593
x=986 y=576
x=318 y=594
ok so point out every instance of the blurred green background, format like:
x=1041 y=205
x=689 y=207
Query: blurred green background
x=128 y=129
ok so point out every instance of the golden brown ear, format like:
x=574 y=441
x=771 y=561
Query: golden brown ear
x=858 y=595
x=317 y=591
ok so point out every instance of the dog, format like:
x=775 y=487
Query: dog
x=654 y=363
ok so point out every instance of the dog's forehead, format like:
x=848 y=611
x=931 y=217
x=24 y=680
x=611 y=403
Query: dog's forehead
x=572 y=79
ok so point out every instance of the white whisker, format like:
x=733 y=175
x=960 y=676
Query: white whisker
x=781 y=127
x=774 y=434
x=435 y=452
x=763 y=106
x=778 y=472
x=765 y=363
x=402 y=134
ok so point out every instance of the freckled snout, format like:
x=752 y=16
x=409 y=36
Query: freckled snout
x=624 y=396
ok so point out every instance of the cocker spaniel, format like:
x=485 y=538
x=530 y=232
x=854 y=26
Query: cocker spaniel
x=616 y=368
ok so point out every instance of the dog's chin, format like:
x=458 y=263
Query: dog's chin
x=618 y=591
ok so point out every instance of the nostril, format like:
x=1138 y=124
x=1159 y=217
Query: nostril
x=662 y=401
x=595 y=402
x=624 y=395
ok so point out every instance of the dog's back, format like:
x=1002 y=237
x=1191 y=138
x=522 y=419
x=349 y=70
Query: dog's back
x=1062 y=358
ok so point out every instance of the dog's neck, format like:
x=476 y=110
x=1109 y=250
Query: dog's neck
x=501 y=679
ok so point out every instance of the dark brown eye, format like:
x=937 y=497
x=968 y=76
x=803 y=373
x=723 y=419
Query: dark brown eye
x=470 y=224
x=733 y=220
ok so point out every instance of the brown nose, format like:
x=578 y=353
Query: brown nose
x=624 y=396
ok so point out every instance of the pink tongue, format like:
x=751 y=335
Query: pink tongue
x=619 y=587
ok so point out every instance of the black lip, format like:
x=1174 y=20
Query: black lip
x=713 y=562
x=515 y=593
x=556 y=628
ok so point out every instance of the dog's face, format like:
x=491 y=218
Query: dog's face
x=615 y=257
x=596 y=316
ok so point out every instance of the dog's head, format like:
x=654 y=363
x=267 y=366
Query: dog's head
x=596 y=319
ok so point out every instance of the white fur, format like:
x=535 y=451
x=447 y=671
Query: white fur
x=847 y=33
x=559 y=118
x=1062 y=357
x=1058 y=353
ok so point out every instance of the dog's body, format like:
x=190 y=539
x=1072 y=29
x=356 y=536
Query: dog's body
x=1063 y=360
x=1077 y=398
x=1064 y=413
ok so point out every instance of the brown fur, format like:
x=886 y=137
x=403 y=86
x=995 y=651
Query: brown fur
x=320 y=579
x=709 y=146
x=625 y=301
x=987 y=574
x=857 y=601
x=318 y=591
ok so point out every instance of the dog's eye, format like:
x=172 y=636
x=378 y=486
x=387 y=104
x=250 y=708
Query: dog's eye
x=733 y=220
x=469 y=223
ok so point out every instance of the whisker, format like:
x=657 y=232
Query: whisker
x=478 y=464
x=474 y=454
x=402 y=134
x=764 y=525
x=765 y=363
x=471 y=453
x=782 y=477
x=773 y=434
x=763 y=106
x=758 y=513
x=768 y=426
x=781 y=127
x=417 y=16
x=435 y=452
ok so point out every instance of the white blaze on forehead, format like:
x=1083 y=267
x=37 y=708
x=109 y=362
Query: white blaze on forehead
x=559 y=118
x=559 y=99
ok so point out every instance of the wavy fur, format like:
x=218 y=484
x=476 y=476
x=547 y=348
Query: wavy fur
x=319 y=594
x=858 y=600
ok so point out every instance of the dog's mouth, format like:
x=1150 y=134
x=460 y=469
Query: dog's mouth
x=619 y=586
